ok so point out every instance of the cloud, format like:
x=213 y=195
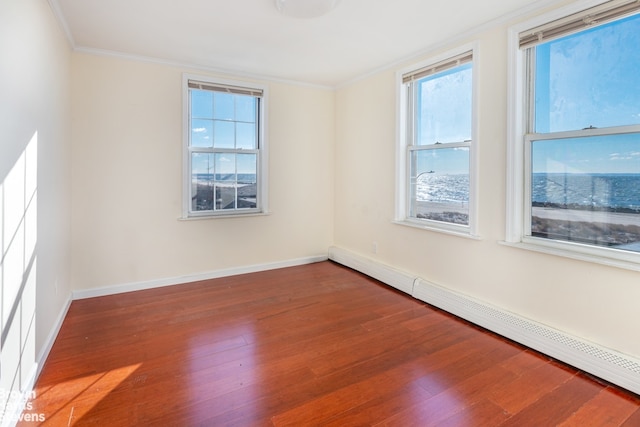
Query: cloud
x=624 y=156
x=198 y=130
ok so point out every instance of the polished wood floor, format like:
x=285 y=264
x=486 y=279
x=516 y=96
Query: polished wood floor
x=305 y=346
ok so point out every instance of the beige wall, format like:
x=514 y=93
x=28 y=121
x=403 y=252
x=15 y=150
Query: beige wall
x=127 y=169
x=35 y=196
x=590 y=301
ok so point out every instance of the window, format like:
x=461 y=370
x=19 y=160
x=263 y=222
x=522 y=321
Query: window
x=224 y=149
x=435 y=144
x=576 y=135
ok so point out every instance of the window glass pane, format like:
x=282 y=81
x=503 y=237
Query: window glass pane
x=440 y=185
x=201 y=181
x=444 y=106
x=589 y=78
x=201 y=133
x=247 y=167
x=224 y=134
x=245 y=109
x=246 y=135
x=223 y=107
x=225 y=164
x=201 y=104
x=587 y=190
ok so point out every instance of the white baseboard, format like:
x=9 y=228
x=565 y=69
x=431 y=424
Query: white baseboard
x=149 y=284
x=389 y=275
x=51 y=339
x=608 y=364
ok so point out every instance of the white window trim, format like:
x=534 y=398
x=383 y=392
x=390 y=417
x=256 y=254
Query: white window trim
x=402 y=191
x=517 y=214
x=263 y=153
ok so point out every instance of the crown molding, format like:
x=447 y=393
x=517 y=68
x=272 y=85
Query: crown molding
x=62 y=22
x=197 y=67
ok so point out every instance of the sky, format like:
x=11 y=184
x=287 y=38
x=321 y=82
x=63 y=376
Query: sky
x=602 y=154
x=593 y=80
x=451 y=161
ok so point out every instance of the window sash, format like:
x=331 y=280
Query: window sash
x=256 y=122
x=583 y=133
x=219 y=211
x=411 y=188
x=588 y=248
x=412 y=94
x=440 y=145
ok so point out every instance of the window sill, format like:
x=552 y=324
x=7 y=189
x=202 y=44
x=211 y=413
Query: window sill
x=223 y=216
x=451 y=230
x=561 y=249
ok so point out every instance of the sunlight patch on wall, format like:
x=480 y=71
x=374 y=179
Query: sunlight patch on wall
x=18 y=238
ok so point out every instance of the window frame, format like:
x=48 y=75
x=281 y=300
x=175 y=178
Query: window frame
x=521 y=135
x=261 y=150
x=405 y=129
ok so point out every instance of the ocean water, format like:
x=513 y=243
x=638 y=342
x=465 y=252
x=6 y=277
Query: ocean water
x=442 y=188
x=606 y=191
x=615 y=191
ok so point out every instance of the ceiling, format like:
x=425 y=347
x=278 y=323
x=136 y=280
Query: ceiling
x=250 y=37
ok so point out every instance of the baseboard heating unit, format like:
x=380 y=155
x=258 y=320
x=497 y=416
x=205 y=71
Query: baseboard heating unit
x=607 y=364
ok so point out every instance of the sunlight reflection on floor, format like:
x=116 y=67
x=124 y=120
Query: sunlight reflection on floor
x=66 y=403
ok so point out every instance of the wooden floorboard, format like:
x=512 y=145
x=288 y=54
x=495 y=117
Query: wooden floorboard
x=318 y=344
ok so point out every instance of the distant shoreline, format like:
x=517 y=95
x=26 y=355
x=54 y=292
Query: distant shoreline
x=587 y=215
x=452 y=212
x=581 y=207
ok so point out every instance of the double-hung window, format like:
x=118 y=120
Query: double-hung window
x=575 y=184
x=224 y=148
x=436 y=144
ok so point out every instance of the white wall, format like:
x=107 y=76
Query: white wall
x=126 y=168
x=35 y=186
x=593 y=302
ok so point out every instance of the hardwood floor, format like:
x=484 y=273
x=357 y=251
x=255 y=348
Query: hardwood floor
x=312 y=345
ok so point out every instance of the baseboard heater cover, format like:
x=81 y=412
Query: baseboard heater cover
x=602 y=362
x=608 y=364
